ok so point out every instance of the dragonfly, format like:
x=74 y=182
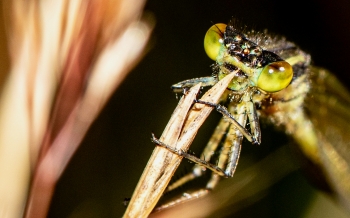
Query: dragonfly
x=274 y=82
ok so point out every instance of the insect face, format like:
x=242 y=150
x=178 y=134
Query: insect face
x=257 y=67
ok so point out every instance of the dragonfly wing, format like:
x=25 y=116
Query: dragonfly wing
x=328 y=107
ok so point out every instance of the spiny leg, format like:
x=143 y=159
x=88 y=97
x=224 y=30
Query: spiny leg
x=206 y=81
x=206 y=155
x=231 y=148
x=223 y=110
x=235 y=136
x=253 y=121
x=235 y=149
x=190 y=157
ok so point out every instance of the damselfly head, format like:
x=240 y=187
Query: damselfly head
x=253 y=65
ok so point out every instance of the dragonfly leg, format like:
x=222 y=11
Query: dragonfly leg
x=231 y=148
x=253 y=121
x=223 y=110
x=206 y=81
x=206 y=155
x=197 y=171
x=190 y=157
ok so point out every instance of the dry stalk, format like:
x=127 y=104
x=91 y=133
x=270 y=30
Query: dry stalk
x=163 y=163
x=67 y=58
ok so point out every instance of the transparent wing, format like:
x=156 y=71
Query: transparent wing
x=328 y=106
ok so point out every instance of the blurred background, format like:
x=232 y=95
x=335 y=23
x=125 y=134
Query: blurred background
x=107 y=166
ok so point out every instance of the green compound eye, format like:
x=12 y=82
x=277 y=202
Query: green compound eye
x=211 y=40
x=275 y=76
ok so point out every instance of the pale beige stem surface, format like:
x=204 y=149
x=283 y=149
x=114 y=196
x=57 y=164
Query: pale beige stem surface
x=163 y=163
x=67 y=58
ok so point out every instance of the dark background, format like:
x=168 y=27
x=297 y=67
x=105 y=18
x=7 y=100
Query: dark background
x=107 y=166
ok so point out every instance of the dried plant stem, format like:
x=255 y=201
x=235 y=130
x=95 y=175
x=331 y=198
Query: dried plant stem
x=56 y=158
x=67 y=58
x=163 y=163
